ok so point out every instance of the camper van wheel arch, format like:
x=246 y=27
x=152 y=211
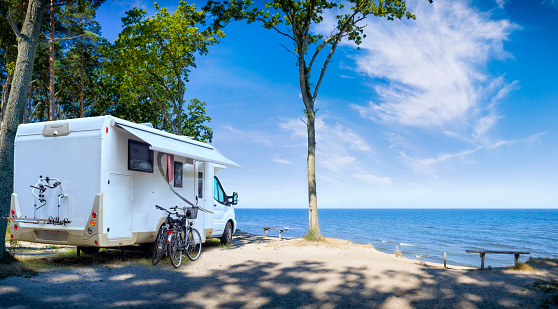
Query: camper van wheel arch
x=89 y=250
x=226 y=239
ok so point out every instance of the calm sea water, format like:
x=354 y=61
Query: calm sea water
x=424 y=234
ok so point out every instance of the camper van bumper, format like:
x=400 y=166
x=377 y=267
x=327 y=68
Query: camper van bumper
x=73 y=237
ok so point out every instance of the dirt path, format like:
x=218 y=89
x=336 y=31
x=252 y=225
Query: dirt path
x=258 y=272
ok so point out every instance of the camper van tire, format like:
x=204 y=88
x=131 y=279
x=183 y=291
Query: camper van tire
x=226 y=239
x=89 y=250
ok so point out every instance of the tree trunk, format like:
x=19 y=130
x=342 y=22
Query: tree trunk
x=5 y=91
x=82 y=83
x=26 y=46
x=180 y=102
x=51 y=63
x=313 y=225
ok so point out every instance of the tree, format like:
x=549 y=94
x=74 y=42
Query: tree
x=28 y=40
x=78 y=20
x=297 y=20
x=154 y=56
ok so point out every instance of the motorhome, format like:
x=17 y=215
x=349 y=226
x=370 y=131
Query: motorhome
x=94 y=182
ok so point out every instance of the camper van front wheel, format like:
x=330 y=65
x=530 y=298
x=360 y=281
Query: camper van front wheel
x=226 y=239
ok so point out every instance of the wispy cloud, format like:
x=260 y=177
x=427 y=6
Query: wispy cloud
x=553 y=3
x=433 y=68
x=283 y=161
x=338 y=150
x=500 y=3
x=373 y=179
x=428 y=165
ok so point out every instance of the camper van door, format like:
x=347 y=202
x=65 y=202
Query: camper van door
x=117 y=206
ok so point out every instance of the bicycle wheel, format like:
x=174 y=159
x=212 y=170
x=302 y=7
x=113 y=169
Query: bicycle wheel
x=159 y=245
x=175 y=251
x=193 y=248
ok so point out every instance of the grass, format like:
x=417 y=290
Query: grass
x=28 y=266
x=397 y=252
x=311 y=236
x=522 y=267
x=215 y=242
x=550 y=289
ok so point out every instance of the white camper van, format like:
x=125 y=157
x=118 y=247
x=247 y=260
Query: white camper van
x=94 y=182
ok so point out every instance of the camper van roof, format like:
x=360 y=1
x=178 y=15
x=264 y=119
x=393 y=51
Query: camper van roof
x=157 y=139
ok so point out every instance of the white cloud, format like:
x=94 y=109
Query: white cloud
x=373 y=179
x=282 y=161
x=433 y=68
x=338 y=150
x=428 y=165
x=500 y=3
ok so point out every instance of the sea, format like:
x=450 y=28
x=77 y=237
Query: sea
x=424 y=234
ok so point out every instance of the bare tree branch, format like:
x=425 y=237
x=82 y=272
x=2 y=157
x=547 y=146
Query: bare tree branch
x=12 y=24
x=285 y=47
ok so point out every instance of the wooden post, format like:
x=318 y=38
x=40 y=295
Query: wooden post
x=445 y=265
x=280 y=232
x=516 y=258
x=482 y=260
x=266 y=232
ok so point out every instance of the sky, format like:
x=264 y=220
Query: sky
x=456 y=109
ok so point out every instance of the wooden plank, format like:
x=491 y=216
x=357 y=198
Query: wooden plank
x=498 y=252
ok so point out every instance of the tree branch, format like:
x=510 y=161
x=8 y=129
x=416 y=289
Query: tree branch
x=154 y=99
x=275 y=28
x=338 y=37
x=164 y=85
x=12 y=24
x=285 y=47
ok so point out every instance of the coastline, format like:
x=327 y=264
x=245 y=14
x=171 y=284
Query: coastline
x=260 y=272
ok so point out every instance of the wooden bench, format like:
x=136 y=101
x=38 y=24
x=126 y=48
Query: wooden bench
x=272 y=228
x=483 y=252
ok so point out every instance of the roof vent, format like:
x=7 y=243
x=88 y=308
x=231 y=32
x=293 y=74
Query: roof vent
x=56 y=129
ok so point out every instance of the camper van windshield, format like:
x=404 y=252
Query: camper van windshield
x=218 y=192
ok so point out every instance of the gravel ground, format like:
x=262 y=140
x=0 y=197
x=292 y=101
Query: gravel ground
x=258 y=272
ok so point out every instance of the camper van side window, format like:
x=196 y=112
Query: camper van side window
x=140 y=157
x=178 y=174
x=218 y=192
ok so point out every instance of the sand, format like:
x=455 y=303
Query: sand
x=261 y=272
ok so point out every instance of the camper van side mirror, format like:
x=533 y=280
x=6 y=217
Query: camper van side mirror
x=234 y=198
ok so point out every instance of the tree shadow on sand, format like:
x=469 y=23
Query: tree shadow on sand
x=264 y=284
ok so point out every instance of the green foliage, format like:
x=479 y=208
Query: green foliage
x=193 y=122
x=153 y=56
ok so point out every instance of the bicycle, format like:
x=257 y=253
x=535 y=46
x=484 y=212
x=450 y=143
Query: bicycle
x=160 y=245
x=185 y=238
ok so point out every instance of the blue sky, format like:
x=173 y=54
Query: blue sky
x=456 y=109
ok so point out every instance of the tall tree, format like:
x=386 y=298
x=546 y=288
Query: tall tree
x=155 y=54
x=28 y=39
x=297 y=21
x=79 y=21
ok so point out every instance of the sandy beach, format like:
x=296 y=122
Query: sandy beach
x=259 y=272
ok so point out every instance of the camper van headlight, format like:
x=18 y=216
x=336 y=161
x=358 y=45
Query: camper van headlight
x=89 y=230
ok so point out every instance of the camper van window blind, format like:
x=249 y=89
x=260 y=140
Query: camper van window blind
x=200 y=185
x=178 y=174
x=140 y=157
